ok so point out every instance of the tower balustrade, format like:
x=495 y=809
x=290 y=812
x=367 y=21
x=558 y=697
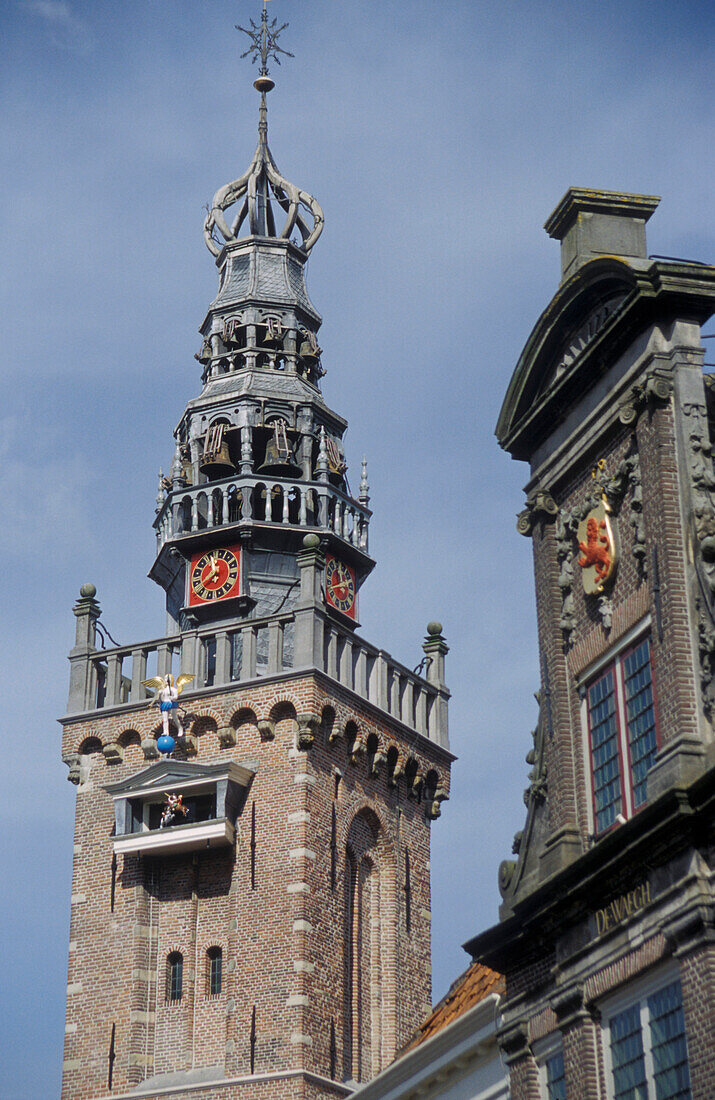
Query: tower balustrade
x=259 y=649
x=247 y=498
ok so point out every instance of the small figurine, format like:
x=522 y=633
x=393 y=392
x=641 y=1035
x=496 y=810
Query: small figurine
x=173 y=807
x=167 y=696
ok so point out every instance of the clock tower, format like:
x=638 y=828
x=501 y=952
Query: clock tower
x=250 y=895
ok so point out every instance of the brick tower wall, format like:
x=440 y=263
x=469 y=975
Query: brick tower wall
x=285 y=937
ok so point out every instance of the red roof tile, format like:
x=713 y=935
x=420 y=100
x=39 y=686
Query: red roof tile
x=471 y=987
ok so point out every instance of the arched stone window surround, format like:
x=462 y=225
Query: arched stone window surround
x=370 y=945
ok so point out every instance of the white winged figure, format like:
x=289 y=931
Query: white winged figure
x=166 y=694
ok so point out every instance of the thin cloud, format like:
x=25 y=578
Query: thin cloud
x=66 y=29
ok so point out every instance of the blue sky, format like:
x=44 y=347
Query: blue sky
x=437 y=138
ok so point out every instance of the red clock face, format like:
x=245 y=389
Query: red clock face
x=214 y=575
x=340 y=586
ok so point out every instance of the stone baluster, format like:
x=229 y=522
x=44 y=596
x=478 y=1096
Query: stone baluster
x=226 y=505
x=222 y=674
x=360 y=664
x=407 y=700
x=249 y=653
x=421 y=711
x=189 y=654
x=137 y=692
x=286 y=513
x=380 y=673
x=345 y=667
x=163 y=660
x=82 y=673
x=114 y=673
x=195 y=512
x=303 y=513
x=210 y=508
x=275 y=647
x=247 y=502
x=323 y=509
x=331 y=651
x=436 y=649
x=349 y=514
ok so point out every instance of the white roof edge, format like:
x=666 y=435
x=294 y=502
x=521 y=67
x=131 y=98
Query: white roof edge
x=470 y=1029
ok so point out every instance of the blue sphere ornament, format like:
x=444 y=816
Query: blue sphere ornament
x=166 y=743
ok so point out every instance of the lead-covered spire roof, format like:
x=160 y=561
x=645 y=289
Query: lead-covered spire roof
x=261 y=199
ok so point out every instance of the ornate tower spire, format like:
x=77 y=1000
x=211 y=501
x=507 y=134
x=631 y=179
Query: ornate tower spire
x=256 y=193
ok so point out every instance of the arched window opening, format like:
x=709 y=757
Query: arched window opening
x=214 y=971
x=368 y=953
x=174 y=976
x=393 y=756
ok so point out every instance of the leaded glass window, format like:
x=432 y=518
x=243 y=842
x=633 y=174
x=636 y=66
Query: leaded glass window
x=648 y=1048
x=667 y=1037
x=174 y=976
x=640 y=717
x=604 y=751
x=555 y=1077
x=214 y=975
x=627 y=1056
x=622 y=735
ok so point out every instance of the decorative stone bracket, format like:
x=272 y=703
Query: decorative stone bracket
x=514 y=1042
x=308 y=726
x=267 y=729
x=113 y=753
x=226 y=737
x=655 y=388
x=539 y=505
x=77 y=768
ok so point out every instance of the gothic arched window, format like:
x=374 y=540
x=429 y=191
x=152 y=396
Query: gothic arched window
x=369 y=950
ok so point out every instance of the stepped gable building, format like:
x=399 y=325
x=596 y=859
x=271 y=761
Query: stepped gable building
x=606 y=936
x=250 y=894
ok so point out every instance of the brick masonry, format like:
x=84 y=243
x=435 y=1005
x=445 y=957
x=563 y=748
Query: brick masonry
x=640 y=407
x=286 y=942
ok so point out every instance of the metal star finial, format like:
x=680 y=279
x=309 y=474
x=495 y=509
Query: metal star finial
x=264 y=41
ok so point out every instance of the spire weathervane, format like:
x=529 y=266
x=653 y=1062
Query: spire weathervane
x=262 y=189
x=264 y=44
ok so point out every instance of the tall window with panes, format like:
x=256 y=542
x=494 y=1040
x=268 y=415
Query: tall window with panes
x=622 y=734
x=649 y=1057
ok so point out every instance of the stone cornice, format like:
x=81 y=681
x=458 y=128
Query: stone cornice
x=651 y=291
x=659 y=831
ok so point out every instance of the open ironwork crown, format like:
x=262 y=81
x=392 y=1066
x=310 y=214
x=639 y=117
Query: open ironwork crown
x=256 y=198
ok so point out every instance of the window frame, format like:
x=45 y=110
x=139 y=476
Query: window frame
x=613 y=661
x=214 y=953
x=544 y=1050
x=172 y=959
x=638 y=993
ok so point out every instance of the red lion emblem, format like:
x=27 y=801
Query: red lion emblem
x=596 y=548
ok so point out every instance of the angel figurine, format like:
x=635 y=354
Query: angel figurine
x=166 y=694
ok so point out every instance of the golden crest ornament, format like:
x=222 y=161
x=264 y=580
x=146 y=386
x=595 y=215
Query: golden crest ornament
x=599 y=550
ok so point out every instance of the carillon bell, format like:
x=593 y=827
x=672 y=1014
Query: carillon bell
x=216 y=459
x=279 y=458
x=309 y=349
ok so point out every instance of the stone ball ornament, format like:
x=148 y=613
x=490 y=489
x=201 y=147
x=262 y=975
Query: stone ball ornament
x=88 y=591
x=434 y=628
x=166 y=744
x=311 y=542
